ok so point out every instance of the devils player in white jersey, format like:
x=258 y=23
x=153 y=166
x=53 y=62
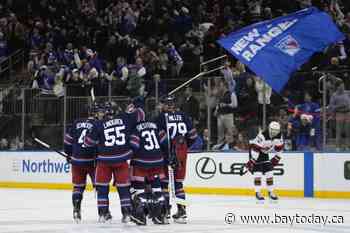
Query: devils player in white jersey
x=267 y=143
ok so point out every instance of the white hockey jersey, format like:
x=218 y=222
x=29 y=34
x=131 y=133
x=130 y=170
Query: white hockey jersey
x=264 y=144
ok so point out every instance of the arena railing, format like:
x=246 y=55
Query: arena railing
x=48 y=116
x=8 y=64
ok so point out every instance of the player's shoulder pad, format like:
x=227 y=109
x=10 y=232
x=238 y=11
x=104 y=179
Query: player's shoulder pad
x=259 y=139
x=278 y=140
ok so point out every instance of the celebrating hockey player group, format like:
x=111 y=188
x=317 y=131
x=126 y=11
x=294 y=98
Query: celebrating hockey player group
x=135 y=154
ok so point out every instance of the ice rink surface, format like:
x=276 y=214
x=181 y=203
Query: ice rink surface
x=50 y=211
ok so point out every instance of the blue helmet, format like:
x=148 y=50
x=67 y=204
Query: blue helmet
x=108 y=108
x=95 y=108
x=168 y=100
x=139 y=102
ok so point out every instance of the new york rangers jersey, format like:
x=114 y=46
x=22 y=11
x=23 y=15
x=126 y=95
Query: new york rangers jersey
x=147 y=144
x=178 y=124
x=135 y=115
x=74 y=143
x=110 y=136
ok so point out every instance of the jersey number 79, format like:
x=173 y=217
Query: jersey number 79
x=177 y=128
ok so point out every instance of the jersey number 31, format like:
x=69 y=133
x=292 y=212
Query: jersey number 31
x=151 y=140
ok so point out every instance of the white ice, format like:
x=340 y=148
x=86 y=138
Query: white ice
x=50 y=211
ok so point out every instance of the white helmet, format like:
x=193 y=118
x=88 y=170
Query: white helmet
x=274 y=129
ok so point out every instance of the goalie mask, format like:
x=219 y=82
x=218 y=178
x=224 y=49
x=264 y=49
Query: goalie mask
x=274 y=129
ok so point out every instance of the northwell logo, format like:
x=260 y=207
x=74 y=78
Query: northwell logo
x=44 y=166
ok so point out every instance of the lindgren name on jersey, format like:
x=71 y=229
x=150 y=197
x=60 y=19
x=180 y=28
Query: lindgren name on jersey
x=113 y=122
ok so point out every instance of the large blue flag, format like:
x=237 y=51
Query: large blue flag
x=275 y=48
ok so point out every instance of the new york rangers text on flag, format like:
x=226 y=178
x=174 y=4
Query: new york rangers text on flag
x=274 y=49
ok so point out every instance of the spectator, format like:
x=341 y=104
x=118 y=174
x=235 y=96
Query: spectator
x=241 y=144
x=340 y=106
x=4 y=145
x=3 y=47
x=312 y=108
x=176 y=61
x=227 y=144
x=198 y=144
x=264 y=92
x=224 y=111
x=303 y=131
x=136 y=84
x=228 y=76
x=191 y=106
x=205 y=136
x=163 y=61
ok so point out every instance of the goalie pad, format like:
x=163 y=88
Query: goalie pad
x=157 y=205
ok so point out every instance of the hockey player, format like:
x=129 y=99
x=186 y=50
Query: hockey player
x=181 y=136
x=110 y=135
x=266 y=142
x=81 y=157
x=135 y=110
x=147 y=166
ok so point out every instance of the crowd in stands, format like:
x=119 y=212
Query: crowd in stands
x=80 y=44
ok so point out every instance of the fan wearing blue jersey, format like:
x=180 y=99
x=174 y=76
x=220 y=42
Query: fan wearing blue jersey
x=81 y=157
x=182 y=135
x=110 y=136
x=147 y=166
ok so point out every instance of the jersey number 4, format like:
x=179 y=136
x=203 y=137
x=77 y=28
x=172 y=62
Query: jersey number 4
x=151 y=140
x=115 y=136
x=81 y=138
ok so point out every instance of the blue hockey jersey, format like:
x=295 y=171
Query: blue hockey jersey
x=111 y=137
x=74 y=143
x=147 y=144
x=179 y=125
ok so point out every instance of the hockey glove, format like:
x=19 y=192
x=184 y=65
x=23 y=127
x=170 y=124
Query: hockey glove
x=173 y=162
x=250 y=165
x=275 y=160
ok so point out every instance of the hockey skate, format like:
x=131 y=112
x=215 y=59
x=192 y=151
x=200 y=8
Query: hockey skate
x=167 y=216
x=76 y=211
x=180 y=216
x=138 y=219
x=105 y=216
x=259 y=197
x=273 y=197
x=126 y=211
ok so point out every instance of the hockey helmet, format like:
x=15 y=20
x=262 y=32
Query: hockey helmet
x=108 y=108
x=274 y=129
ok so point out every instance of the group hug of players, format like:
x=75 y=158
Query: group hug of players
x=133 y=152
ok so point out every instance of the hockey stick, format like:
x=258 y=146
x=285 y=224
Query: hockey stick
x=244 y=170
x=92 y=93
x=43 y=144
x=172 y=195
